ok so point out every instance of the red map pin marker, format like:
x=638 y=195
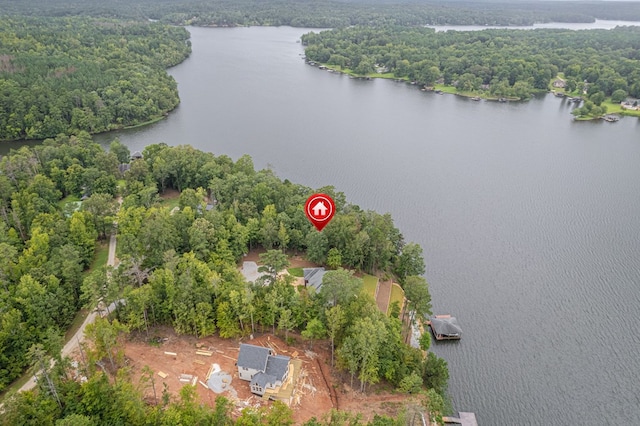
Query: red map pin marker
x=320 y=208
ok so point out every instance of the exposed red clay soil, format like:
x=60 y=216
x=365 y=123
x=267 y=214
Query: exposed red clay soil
x=312 y=398
x=319 y=388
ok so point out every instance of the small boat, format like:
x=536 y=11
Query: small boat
x=475 y=98
x=502 y=99
x=611 y=118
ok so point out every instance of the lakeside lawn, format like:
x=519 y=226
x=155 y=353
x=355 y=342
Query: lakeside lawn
x=397 y=295
x=616 y=108
x=370 y=283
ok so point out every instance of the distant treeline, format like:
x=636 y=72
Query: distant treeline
x=64 y=75
x=503 y=62
x=324 y=14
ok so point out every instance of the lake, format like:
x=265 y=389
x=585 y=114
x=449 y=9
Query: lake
x=530 y=222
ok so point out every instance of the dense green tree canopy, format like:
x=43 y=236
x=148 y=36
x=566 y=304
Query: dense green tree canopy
x=65 y=75
x=332 y=13
x=180 y=269
x=505 y=63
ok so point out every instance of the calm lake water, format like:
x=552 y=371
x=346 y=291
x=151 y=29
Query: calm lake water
x=530 y=222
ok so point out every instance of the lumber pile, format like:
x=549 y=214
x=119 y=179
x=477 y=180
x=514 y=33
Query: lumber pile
x=163 y=375
x=186 y=378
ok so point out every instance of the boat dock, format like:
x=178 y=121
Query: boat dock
x=464 y=419
x=445 y=327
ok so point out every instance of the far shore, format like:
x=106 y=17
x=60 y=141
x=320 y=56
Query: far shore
x=612 y=108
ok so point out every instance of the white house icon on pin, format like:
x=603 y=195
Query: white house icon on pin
x=319 y=209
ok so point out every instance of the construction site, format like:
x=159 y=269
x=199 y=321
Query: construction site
x=209 y=365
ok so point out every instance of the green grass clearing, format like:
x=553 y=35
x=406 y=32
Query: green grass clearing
x=69 y=205
x=169 y=199
x=296 y=272
x=616 y=108
x=100 y=257
x=369 y=284
x=169 y=203
x=397 y=295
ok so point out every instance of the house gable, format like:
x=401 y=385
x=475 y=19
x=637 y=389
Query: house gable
x=252 y=360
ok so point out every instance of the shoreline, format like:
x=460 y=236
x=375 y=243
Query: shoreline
x=612 y=109
x=113 y=129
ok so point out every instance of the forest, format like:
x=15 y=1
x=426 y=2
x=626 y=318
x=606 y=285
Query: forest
x=178 y=267
x=502 y=63
x=333 y=13
x=64 y=75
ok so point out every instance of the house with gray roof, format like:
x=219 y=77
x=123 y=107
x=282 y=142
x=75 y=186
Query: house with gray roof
x=313 y=277
x=258 y=365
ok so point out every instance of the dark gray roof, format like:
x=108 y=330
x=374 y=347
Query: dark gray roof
x=254 y=357
x=313 y=277
x=277 y=366
x=262 y=379
x=446 y=326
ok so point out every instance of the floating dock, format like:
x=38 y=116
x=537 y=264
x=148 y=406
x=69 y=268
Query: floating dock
x=464 y=419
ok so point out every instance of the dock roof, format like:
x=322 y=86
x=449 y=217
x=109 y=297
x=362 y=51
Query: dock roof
x=447 y=326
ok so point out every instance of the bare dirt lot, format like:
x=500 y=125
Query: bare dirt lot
x=317 y=390
x=311 y=398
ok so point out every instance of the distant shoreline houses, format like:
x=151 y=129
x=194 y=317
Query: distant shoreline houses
x=630 y=104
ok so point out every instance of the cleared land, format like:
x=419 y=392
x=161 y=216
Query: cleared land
x=311 y=398
x=317 y=390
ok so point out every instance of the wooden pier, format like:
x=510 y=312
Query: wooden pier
x=464 y=419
